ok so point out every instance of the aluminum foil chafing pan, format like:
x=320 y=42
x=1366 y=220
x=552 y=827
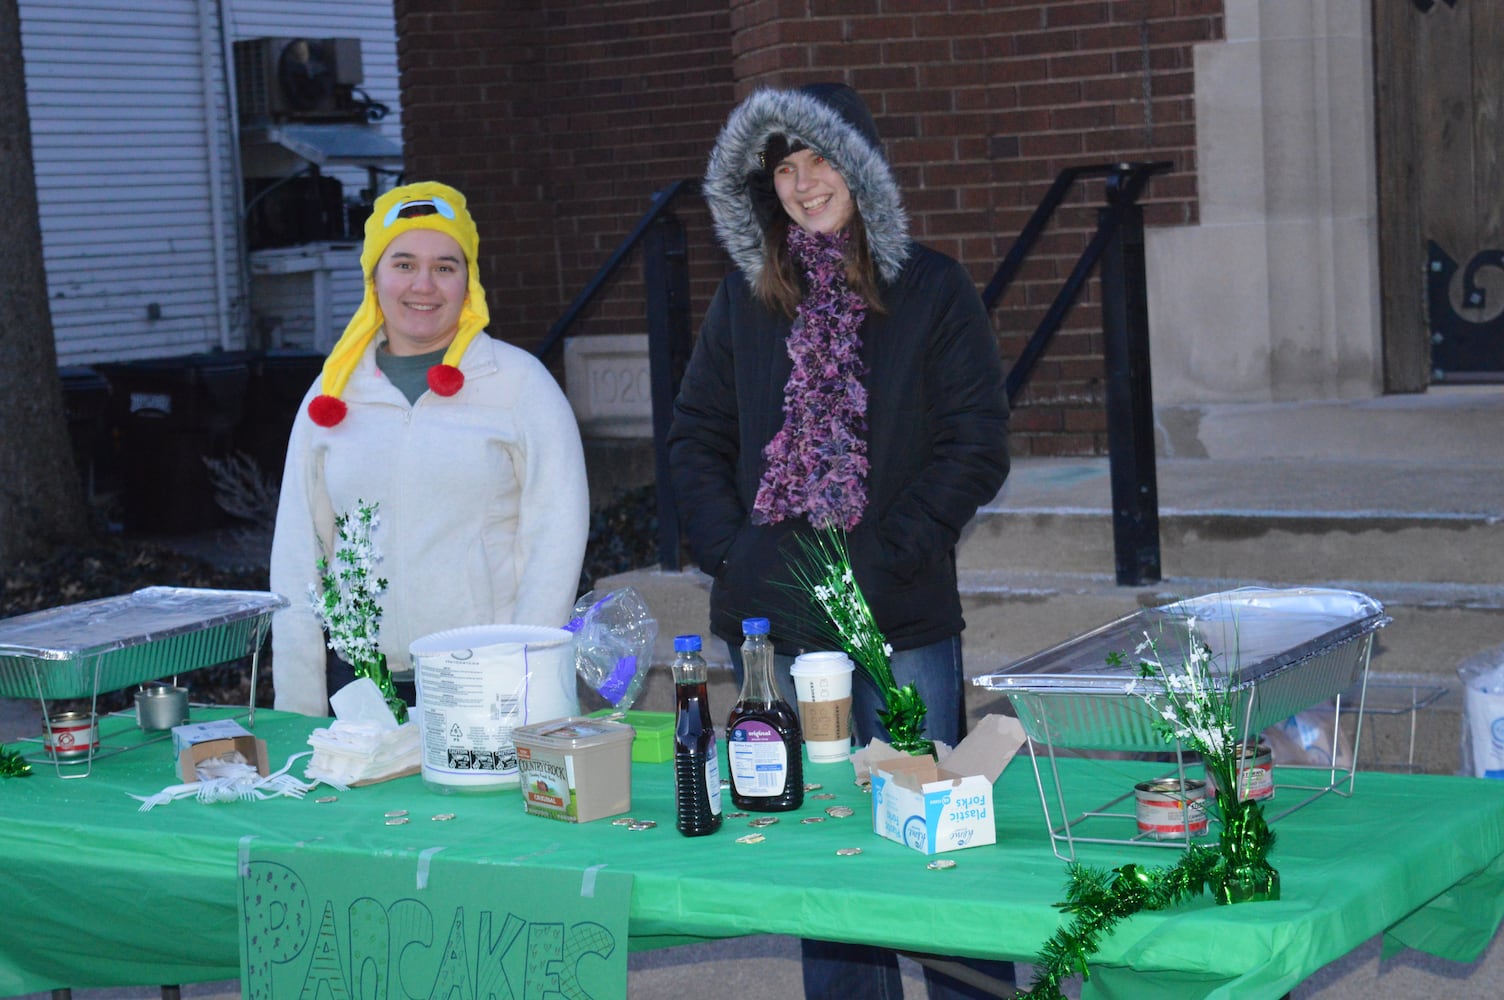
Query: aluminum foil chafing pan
x=1280 y=650
x=78 y=650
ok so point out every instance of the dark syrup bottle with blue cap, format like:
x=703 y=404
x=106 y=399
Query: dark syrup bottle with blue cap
x=763 y=742
x=697 y=769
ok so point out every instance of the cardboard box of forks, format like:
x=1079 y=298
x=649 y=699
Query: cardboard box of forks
x=946 y=805
x=200 y=741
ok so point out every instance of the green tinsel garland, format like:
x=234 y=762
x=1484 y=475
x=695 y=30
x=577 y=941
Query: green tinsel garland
x=1099 y=899
x=1193 y=707
x=377 y=671
x=904 y=720
x=13 y=765
x=839 y=613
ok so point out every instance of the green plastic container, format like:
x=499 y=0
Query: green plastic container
x=654 y=743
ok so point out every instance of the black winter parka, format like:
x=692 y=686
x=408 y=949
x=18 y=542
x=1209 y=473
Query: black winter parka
x=937 y=442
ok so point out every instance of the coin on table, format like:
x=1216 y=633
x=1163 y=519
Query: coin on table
x=396 y=821
x=763 y=821
x=823 y=795
x=750 y=838
x=326 y=798
x=642 y=824
x=812 y=819
x=847 y=852
x=812 y=786
x=839 y=812
x=940 y=865
x=442 y=817
x=623 y=821
x=395 y=813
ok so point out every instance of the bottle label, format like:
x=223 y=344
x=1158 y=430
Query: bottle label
x=759 y=759
x=713 y=782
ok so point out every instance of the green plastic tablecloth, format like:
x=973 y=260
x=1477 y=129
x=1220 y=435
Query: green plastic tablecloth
x=94 y=892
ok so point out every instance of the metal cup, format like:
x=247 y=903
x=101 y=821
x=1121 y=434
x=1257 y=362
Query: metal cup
x=161 y=706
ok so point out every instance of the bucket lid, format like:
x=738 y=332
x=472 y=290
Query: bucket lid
x=478 y=637
x=573 y=733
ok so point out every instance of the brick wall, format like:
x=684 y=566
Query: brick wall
x=560 y=120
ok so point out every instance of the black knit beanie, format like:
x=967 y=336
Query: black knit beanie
x=845 y=102
x=839 y=98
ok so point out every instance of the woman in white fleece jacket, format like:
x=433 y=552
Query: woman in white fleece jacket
x=466 y=443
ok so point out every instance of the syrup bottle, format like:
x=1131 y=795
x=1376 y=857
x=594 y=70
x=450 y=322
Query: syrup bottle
x=697 y=769
x=763 y=742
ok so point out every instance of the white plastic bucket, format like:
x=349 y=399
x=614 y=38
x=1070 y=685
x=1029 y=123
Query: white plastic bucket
x=476 y=685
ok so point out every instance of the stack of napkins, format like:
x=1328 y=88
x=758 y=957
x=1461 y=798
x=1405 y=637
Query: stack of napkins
x=365 y=744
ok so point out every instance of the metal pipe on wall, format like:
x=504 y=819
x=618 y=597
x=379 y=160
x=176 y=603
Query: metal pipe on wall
x=211 y=39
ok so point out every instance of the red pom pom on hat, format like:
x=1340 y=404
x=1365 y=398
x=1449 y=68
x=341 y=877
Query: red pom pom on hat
x=326 y=411
x=445 y=380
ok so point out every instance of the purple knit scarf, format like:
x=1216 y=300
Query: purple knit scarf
x=817 y=463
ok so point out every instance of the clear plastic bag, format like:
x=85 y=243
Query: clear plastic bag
x=1482 y=750
x=613 y=644
x=1312 y=738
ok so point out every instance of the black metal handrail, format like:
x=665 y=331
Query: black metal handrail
x=662 y=201
x=1118 y=246
x=666 y=287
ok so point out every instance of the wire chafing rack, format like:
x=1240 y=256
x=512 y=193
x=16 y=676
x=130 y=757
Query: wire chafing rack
x=1276 y=652
x=77 y=651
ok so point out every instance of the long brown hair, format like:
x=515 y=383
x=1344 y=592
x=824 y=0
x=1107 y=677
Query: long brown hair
x=780 y=286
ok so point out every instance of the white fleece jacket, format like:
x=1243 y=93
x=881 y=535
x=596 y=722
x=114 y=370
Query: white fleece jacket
x=484 y=510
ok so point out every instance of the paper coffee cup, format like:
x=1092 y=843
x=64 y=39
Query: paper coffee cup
x=822 y=682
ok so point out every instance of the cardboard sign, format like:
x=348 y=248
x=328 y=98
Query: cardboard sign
x=321 y=922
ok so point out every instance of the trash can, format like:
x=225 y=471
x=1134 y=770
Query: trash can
x=279 y=379
x=86 y=405
x=169 y=415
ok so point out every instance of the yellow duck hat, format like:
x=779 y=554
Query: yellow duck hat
x=442 y=208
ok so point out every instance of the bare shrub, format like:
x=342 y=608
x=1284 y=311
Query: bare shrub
x=242 y=490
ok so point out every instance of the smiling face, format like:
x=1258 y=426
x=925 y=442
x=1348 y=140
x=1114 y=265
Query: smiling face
x=812 y=192
x=421 y=284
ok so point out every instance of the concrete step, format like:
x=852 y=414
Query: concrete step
x=1274 y=519
x=1434 y=628
x=1447 y=423
x=1297 y=547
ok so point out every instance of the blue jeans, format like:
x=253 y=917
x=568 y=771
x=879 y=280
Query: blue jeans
x=839 y=971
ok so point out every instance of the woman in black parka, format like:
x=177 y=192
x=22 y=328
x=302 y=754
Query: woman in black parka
x=844 y=375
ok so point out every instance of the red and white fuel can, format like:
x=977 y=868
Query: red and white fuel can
x=1169 y=810
x=71 y=734
x=1255 y=774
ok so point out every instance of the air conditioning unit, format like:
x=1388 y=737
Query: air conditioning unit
x=298 y=79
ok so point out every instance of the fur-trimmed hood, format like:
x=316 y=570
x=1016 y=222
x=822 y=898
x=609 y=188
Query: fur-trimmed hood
x=805 y=118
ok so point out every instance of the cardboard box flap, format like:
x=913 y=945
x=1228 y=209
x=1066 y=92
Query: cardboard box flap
x=249 y=747
x=190 y=733
x=912 y=772
x=987 y=749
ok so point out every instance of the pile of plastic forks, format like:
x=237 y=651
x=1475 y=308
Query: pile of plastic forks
x=228 y=779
